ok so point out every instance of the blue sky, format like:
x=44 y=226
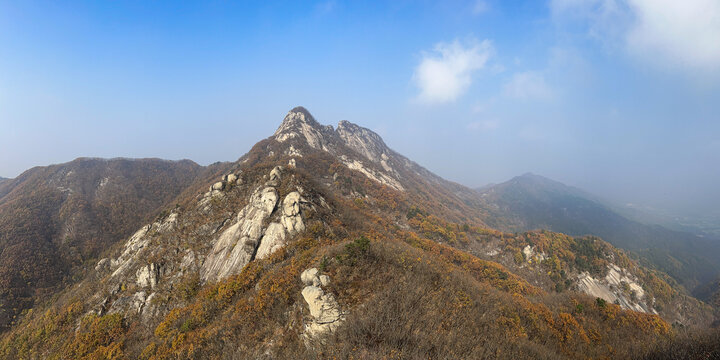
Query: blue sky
x=619 y=97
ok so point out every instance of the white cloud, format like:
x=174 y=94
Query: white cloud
x=527 y=85
x=445 y=74
x=687 y=32
x=680 y=33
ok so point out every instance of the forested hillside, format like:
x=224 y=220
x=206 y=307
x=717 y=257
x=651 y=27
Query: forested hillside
x=530 y=202
x=56 y=220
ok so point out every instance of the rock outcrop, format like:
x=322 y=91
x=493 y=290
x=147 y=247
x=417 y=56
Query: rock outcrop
x=132 y=252
x=324 y=309
x=618 y=287
x=291 y=219
x=531 y=256
x=148 y=275
x=273 y=240
x=365 y=142
x=299 y=124
x=249 y=237
x=237 y=244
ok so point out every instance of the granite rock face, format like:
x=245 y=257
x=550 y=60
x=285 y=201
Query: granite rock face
x=291 y=219
x=148 y=275
x=325 y=312
x=299 y=124
x=254 y=234
x=365 y=142
x=618 y=286
x=273 y=240
x=236 y=246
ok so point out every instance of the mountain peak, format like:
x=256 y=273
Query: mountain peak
x=530 y=175
x=364 y=141
x=298 y=115
x=299 y=123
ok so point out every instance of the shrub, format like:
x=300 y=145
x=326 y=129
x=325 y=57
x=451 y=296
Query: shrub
x=324 y=263
x=354 y=250
x=600 y=302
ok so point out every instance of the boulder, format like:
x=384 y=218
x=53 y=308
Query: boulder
x=275 y=174
x=273 y=240
x=291 y=219
x=324 y=309
x=291 y=204
x=308 y=276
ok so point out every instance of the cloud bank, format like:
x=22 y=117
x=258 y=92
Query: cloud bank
x=446 y=72
x=683 y=34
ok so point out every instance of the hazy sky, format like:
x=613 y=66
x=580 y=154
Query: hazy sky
x=619 y=97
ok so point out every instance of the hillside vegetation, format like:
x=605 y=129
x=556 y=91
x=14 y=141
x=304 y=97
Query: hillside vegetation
x=531 y=202
x=324 y=243
x=56 y=220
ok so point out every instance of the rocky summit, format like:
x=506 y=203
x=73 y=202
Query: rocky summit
x=323 y=242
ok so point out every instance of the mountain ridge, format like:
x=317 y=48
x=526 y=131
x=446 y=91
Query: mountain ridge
x=55 y=218
x=537 y=202
x=307 y=248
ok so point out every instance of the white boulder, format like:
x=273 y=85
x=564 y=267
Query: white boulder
x=324 y=309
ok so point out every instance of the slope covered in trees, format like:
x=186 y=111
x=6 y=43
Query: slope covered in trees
x=530 y=202
x=57 y=219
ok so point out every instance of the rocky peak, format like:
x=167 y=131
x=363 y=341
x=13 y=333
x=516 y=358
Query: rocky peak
x=300 y=126
x=299 y=123
x=364 y=141
x=299 y=115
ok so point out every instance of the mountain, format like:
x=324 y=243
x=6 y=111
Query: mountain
x=55 y=220
x=323 y=242
x=534 y=202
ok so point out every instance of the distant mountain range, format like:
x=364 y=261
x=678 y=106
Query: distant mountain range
x=534 y=202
